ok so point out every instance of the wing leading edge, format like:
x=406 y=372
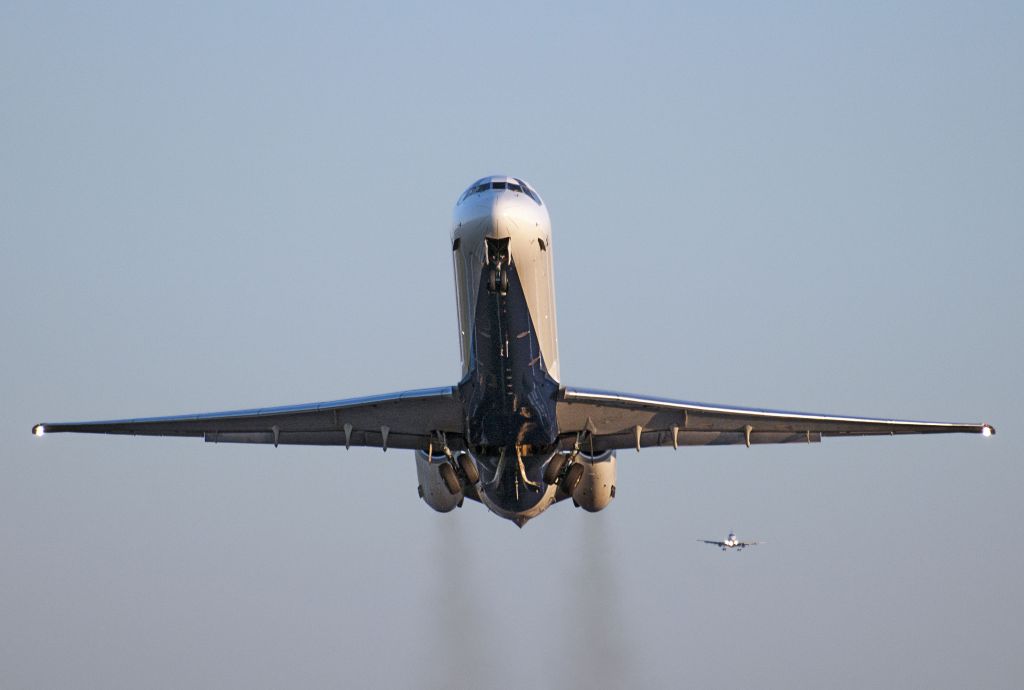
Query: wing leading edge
x=408 y=419
x=411 y=419
x=614 y=421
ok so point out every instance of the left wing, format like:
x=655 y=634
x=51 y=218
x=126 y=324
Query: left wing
x=409 y=419
x=713 y=543
x=614 y=421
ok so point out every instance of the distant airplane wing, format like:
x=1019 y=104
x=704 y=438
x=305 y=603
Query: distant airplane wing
x=744 y=544
x=409 y=419
x=713 y=543
x=613 y=420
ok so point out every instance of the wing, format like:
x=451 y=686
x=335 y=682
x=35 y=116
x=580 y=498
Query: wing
x=621 y=420
x=744 y=544
x=713 y=543
x=409 y=419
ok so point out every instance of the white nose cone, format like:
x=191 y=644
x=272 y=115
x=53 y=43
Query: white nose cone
x=38 y=430
x=986 y=430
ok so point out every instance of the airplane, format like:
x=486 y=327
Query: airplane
x=509 y=434
x=731 y=542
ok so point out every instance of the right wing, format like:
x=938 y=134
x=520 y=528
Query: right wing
x=614 y=421
x=409 y=419
x=713 y=543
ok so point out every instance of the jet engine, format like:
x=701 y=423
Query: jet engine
x=434 y=488
x=596 y=487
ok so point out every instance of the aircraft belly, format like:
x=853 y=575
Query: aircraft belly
x=517 y=509
x=508 y=394
x=534 y=266
x=509 y=348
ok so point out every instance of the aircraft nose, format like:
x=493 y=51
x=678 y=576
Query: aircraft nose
x=503 y=218
x=509 y=214
x=499 y=214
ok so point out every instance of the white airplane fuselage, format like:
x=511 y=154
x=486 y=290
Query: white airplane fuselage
x=508 y=343
x=505 y=214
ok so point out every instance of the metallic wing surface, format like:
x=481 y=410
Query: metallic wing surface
x=408 y=419
x=611 y=421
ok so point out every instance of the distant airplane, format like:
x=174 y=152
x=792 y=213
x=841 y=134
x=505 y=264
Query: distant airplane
x=731 y=542
x=509 y=435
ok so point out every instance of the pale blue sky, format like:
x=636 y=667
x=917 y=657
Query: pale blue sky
x=788 y=205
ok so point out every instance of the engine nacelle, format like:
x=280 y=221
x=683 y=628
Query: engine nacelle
x=597 y=486
x=432 y=488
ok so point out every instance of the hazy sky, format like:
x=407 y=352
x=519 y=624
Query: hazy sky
x=773 y=204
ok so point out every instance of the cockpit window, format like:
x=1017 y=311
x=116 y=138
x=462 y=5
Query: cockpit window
x=530 y=192
x=518 y=186
x=475 y=189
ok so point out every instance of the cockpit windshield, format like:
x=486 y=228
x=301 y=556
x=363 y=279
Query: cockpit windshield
x=513 y=185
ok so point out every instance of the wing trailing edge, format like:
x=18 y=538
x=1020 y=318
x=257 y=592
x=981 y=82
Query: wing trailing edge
x=407 y=419
x=614 y=420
